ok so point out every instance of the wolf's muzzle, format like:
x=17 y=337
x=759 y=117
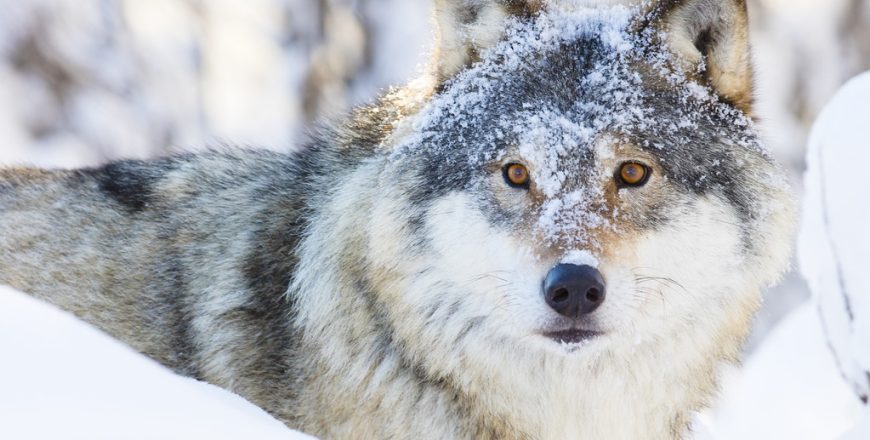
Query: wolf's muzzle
x=574 y=291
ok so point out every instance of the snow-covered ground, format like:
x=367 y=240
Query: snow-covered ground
x=62 y=379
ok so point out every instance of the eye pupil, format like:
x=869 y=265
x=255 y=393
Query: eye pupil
x=517 y=175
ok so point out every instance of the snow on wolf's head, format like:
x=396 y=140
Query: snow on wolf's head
x=586 y=185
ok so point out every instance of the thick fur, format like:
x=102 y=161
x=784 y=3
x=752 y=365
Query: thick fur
x=385 y=282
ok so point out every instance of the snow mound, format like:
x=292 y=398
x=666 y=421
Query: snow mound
x=834 y=244
x=61 y=378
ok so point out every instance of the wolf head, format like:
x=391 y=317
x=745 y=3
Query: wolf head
x=583 y=206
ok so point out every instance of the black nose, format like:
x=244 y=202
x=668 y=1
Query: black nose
x=574 y=291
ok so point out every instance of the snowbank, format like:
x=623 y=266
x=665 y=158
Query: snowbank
x=61 y=378
x=834 y=245
x=789 y=388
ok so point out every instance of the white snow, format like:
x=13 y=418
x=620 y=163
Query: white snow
x=861 y=431
x=788 y=389
x=63 y=379
x=580 y=258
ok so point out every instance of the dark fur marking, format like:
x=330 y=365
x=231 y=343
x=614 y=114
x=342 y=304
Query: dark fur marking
x=470 y=13
x=130 y=183
x=268 y=270
x=520 y=8
x=179 y=318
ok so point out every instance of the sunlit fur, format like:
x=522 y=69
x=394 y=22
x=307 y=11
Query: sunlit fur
x=354 y=291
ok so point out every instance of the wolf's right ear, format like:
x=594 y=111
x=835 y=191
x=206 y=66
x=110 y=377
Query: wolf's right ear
x=715 y=33
x=465 y=28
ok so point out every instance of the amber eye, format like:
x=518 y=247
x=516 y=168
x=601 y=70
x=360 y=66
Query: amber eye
x=633 y=174
x=517 y=175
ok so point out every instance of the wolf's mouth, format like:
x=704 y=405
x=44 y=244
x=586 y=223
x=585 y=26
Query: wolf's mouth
x=572 y=336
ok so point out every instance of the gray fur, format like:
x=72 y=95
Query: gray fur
x=294 y=280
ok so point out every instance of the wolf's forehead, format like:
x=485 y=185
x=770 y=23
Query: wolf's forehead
x=558 y=79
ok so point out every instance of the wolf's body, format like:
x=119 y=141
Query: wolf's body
x=385 y=281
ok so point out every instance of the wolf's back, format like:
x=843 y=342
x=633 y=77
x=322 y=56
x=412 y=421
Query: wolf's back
x=186 y=258
x=63 y=240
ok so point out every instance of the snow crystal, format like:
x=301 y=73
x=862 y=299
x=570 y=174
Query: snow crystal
x=580 y=258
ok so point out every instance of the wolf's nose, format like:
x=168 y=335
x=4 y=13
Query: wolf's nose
x=574 y=291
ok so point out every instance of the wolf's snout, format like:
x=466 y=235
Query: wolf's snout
x=574 y=291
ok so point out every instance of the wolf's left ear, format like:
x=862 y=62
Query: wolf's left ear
x=468 y=27
x=717 y=33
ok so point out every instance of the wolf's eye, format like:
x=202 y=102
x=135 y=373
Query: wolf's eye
x=517 y=175
x=633 y=174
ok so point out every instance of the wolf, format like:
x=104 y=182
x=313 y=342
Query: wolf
x=561 y=230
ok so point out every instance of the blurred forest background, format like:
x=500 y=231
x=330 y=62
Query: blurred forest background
x=83 y=82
